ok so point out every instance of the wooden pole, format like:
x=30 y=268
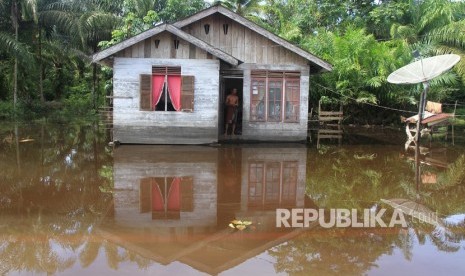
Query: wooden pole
x=421 y=110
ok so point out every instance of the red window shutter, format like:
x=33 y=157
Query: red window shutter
x=187 y=93
x=146 y=92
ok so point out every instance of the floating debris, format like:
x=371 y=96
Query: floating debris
x=240 y=224
x=26 y=140
x=365 y=156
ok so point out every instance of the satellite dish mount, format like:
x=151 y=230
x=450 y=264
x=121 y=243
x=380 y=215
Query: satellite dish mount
x=422 y=71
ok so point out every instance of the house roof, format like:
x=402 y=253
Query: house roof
x=175 y=29
x=159 y=29
x=253 y=26
x=211 y=252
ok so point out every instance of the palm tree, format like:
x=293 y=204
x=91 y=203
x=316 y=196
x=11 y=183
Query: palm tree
x=19 y=8
x=434 y=27
x=243 y=7
x=84 y=24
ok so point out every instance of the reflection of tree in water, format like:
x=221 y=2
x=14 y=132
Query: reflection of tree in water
x=357 y=178
x=445 y=197
x=51 y=197
x=332 y=251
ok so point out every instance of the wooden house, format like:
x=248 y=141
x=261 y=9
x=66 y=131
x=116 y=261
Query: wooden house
x=185 y=221
x=170 y=82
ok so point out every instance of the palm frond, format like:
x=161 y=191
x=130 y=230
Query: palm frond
x=14 y=48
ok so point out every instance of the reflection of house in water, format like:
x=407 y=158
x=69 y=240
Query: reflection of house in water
x=175 y=203
x=156 y=183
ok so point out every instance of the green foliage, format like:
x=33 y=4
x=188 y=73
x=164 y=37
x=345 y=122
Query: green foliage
x=136 y=21
x=361 y=66
x=364 y=40
x=455 y=175
x=6 y=110
x=78 y=104
x=178 y=9
x=11 y=46
x=132 y=25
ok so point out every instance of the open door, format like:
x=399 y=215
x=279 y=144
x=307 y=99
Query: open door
x=227 y=83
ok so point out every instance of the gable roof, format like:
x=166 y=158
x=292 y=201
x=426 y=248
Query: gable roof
x=171 y=29
x=253 y=26
x=175 y=29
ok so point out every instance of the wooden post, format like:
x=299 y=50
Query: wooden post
x=421 y=110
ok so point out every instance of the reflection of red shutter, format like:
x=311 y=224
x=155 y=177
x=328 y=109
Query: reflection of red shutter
x=187 y=194
x=187 y=93
x=146 y=92
x=145 y=195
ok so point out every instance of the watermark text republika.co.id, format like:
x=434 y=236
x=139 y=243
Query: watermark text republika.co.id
x=341 y=218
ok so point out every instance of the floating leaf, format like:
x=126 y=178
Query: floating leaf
x=240 y=224
x=240 y=227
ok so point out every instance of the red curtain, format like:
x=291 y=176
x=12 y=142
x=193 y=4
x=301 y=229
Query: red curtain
x=174 y=88
x=158 y=201
x=157 y=88
x=174 y=195
x=173 y=199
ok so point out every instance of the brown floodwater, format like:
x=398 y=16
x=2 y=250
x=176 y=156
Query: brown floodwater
x=72 y=205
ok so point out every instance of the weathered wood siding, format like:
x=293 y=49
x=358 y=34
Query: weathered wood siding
x=158 y=127
x=133 y=163
x=165 y=50
x=241 y=42
x=278 y=131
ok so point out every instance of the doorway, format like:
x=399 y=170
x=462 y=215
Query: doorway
x=228 y=83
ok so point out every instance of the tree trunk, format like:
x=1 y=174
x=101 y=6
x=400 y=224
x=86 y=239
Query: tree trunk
x=41 y=80
x=94 y=84
x=14 y=20
x=15 y=73
x=15 y=83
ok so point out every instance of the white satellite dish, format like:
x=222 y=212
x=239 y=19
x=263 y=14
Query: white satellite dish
x=423 y=70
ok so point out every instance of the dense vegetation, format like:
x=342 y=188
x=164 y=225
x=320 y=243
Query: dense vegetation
x=45 y=47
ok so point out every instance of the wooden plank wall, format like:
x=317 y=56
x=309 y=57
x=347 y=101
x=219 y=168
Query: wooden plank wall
x=166 y=49
x=149 y=127
x=132 y=163
x=242 y=43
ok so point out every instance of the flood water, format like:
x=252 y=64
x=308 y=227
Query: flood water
x=72 y=205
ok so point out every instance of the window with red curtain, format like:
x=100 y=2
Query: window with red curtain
x=166 y=90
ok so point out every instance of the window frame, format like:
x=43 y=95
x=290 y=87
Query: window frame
x=285 y=77
x=187 y=90
x=272 y=184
